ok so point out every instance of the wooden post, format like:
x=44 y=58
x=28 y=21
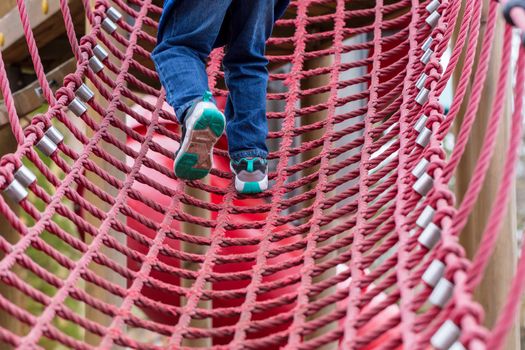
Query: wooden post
x=196 y=230
x=6 y=6
x=312 y=100
x=313 y=82
x=46 y=26
x=8 y=144
x=493 y=290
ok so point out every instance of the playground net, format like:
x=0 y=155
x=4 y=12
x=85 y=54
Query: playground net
x=354 y=247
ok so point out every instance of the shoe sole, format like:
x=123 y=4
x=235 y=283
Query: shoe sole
x=194 y=159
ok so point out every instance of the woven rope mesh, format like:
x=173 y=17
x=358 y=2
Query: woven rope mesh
x=110 y=249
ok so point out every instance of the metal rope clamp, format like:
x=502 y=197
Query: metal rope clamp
x=423 y=138
x=430 y=236
x=100 y=52
x=433 y=19
x=95 y=64
x=421 y=123
x=17 y=189
x=433 y=6
x=426 y=45
x=420 y=168
x=434 y=272
x=84 y=93
x=48 y=144
x=113 y=14
x=446 y=337
x=422 y=96
x=426 y=56
x=109 y=26
x=77 y=107
x=421 y=81
x=424 y=184
x=426 y=217
x=442 y=293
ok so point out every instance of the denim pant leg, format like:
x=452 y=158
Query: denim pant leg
x=246 y=74
x=184 y=44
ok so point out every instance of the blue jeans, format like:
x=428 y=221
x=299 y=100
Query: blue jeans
x=189 y=30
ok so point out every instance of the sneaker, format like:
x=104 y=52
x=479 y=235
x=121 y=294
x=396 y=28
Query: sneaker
x=251 y=175
x=202 y=127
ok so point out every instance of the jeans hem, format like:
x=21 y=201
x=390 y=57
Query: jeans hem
x=235 y=156
x=180 y=111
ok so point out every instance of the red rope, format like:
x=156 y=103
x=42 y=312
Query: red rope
x=333 y=245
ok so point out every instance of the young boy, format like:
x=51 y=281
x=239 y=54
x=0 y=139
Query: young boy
x=188 y=31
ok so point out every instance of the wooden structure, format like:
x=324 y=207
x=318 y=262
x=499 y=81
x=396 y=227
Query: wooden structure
x=492 y=292
x=28 y=98
x=48 y=28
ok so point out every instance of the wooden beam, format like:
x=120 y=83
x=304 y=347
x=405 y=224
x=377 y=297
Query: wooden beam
x=8 y=144
x=187 y=247
x=26 y=100
x=6 y=6
x=46 y=26
x=306 y=101
x=493 y=290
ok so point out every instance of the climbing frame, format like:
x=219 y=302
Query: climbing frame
x=354 y=247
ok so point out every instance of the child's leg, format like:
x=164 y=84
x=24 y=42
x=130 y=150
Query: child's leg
x=247 y=77
x=187 y=39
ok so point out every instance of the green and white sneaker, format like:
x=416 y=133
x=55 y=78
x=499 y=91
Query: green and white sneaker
x=202 y=128
x=251 y=175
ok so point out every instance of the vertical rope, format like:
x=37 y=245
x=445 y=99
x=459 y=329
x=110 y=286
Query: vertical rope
x=9 y=102
x=360 y=229
x=299 y=318
x=507 y=318
x=33 y=51
x=407 y=313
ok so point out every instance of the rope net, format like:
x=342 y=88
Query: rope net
x=354 y=247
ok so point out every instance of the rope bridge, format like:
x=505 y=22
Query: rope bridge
x=354 y=247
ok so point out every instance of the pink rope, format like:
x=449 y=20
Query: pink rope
x=490 y=138
x=354 y=212
x=33 y=51
x=9 y=102
x=357 y=272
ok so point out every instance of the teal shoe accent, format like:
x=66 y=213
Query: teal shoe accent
x=251 y=188
x=207 y=96
x=206 y=131
x=213 y=119
x=184 y=167
x=249 y=167
x=249 y=163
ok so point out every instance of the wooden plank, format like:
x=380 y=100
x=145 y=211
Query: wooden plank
x=26 y=100
x=6 y=6
x=493 y=290
x=8 y=144
x=46 y=26
x=306 y=101
x=187 y=247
